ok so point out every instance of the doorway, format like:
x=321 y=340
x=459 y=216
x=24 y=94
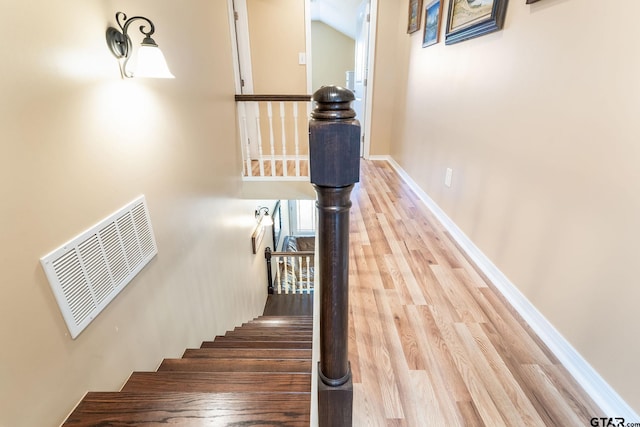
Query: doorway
x=359 y=16
x=354 y=20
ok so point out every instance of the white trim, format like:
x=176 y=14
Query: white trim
x=242 y=44
x=594 y=385
x=307 y=44
x=234 y=46
x=379 y=157
x=259 y=178
x=287 y=157
x=373 y=28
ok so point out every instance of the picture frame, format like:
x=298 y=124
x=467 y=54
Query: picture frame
x=277 y=225
x=256 y=237
x=415 y=13
x=468 y=19
x=432 y=19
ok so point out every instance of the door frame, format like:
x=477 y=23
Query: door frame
x=368 y=104
x=242 y=54
x=240 y=46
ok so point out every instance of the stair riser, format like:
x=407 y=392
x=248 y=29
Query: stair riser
x=271 y=330
x=247 y=353
x=237 y=365
x=257 y=344
x=247 y=336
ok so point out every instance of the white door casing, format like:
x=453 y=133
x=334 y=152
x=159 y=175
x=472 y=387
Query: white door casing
x=244 y=74
x=368 y=90
x=361 y=67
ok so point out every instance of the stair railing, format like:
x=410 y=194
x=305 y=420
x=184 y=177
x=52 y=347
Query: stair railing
x=294 y=272
x=272 y=146
x=334 y=147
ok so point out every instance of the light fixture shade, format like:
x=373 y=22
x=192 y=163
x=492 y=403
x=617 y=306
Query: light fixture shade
x=267 y=220
x=151 y=63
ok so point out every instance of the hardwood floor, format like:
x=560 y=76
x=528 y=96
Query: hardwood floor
x=291 y=168
x=431 y=342
x=289 y=305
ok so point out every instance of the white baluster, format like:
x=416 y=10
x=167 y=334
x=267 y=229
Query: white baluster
x=296 y=279
x=259 y=133
x=285 y=275
x=284 y=140
x=308 y=275
x=276 y=260
x=244 y=136
x=271 y=139
x=303 y=277
x=296 y=137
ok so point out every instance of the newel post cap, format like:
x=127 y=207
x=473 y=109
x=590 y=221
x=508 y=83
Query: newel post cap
x=333 y=103
x=334 y=139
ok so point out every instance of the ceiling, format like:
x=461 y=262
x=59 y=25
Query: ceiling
x=339 y=14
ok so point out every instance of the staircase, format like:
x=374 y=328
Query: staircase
x=257 y=374
x=260 y=373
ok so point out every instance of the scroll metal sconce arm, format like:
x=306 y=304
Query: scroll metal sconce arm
x=119 y=42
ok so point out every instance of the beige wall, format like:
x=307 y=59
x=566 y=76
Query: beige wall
x=77 y=143
x=390 y=70
x=333 y=55
x=539 y=124
x=277 y=35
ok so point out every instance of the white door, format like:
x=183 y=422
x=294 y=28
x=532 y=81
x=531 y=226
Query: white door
x=362 y=67
x=245 y=77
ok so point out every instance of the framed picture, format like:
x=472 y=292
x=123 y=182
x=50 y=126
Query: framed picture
x=277 y=225
x=256 y=237
x=415 y=9
x=472 y=18
x=432 y=14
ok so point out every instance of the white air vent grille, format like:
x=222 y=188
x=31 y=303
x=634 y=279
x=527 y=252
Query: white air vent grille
x=87 y=272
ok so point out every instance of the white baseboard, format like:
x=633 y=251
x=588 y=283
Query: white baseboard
x=606 y=397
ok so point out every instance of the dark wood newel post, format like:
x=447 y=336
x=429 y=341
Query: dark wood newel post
x=267 y=256
x=334 y=151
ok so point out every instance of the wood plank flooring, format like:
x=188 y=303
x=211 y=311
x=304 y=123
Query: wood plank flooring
x=431 y=342
x=289 y=305
x=291 y=168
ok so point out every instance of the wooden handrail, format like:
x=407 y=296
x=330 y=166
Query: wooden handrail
x=334 y=155
x=273 y=98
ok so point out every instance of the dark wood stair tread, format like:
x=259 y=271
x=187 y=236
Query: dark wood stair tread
x=236 y=365
x=191 y=409
x=283 y=320
x=211 y=382
x=271 y=336
x=225 y=342
x=257 y=374
x=262 y=353
x=296 y=316
x=270 y=330
x=269 y=325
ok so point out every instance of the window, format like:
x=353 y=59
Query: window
x=303 y=217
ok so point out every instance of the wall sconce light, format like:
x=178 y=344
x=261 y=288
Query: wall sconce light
x=262 y=214
x=264 y=220
x=150 y=60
